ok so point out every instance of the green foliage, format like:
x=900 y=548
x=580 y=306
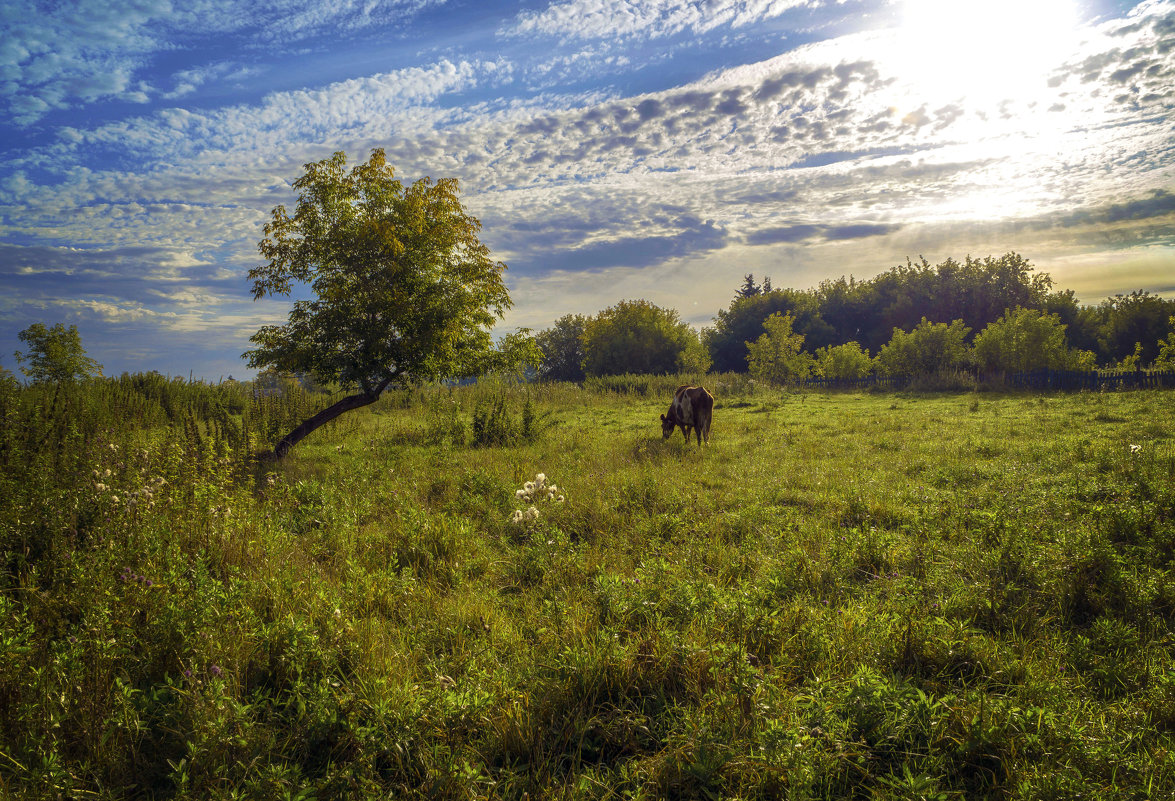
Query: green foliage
x=403 y=288
x=1125 y=322
x=562 y=347
x=849 y=595
x=778 y=355
x=929 y=349
x=743 y=322
x=843 y=362
x=636 y=336
x=55 y=354
x=1027 y=339
x=1166 y=358
x=693 y=358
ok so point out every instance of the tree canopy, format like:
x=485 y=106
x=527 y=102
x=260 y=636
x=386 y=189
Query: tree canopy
x=636 y=336
x=55 y=354
x=562 y=347
x=929 y=349
x=402 y=287
x=778 y=355
x=1027 y=339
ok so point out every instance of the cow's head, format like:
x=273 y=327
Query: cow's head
x=667 y=426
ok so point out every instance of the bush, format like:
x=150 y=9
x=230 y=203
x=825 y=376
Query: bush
x=929 y=349
x=844 y=362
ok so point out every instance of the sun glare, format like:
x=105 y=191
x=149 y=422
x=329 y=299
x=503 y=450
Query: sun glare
x=982 y=51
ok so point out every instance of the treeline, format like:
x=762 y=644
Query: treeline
x=990 y=314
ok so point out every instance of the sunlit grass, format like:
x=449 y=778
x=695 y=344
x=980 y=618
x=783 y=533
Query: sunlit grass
x=843 y=595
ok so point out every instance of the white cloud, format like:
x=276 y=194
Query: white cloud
x=79 y=53
x=598 y=19
x=804 y=160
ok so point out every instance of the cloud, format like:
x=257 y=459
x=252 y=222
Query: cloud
x=818 y=233
x=599 y=19
x=693 y=236
x=78 y=53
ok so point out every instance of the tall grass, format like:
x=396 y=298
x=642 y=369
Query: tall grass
x=845 y=595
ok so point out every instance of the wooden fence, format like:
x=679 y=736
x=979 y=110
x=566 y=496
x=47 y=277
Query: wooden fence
x=1070 y=380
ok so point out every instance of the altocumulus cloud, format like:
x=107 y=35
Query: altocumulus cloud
x=611 y=149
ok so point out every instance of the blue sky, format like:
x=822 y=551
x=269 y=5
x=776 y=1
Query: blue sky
x=613 y=149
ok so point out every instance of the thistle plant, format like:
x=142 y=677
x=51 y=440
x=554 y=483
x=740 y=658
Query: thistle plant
x=534 y=492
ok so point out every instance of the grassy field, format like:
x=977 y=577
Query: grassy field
x=842 y=596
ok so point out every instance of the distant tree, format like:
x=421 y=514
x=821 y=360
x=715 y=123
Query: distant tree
x=766 y=283
x=55 y=354
x=778 y=355
x=929 y=349
x=694 y=358
x=403 y=289
x=743 y=322
x=843 y=362
x=1125 y=321
x=1027 y=339
x=976 y=291
x=1166 y=358
x=635 y=336
x=749 y=288
x=562 y=347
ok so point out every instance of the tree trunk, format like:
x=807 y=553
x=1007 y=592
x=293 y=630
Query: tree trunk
x=325 y=416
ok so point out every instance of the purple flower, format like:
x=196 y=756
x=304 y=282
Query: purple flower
x=215 y=671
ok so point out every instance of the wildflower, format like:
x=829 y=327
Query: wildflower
x=1135 y=448
x=540 y=479
x=520 y=494
x=532 y=513
x=101 y=487
x=215 y=671
x=528 y=487
x=517 y=517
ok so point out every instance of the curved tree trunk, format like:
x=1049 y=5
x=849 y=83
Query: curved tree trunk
x=325 y=416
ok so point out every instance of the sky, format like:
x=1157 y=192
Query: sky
x=612 y=149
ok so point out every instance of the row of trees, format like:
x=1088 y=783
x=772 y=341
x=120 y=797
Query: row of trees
x=836 y=328
x=402 y=290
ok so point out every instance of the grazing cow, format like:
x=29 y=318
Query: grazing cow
x=692 y=407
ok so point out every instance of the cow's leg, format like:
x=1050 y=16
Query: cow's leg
x=685 y=431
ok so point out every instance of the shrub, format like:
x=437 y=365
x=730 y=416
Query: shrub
x=843 y=362
x=930 y=348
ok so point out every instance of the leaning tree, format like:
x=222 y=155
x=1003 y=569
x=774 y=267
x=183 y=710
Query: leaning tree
x=403 y=289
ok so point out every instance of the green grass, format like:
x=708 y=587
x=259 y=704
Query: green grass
x=844 y=596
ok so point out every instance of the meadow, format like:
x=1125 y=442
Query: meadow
x=844 y=595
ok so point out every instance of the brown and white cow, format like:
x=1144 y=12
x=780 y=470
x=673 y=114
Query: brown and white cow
x=692 y=407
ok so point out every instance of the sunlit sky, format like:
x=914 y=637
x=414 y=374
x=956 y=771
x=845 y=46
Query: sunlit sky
x=613 y=149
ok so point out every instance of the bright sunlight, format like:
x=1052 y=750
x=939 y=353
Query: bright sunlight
x=982 y=52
